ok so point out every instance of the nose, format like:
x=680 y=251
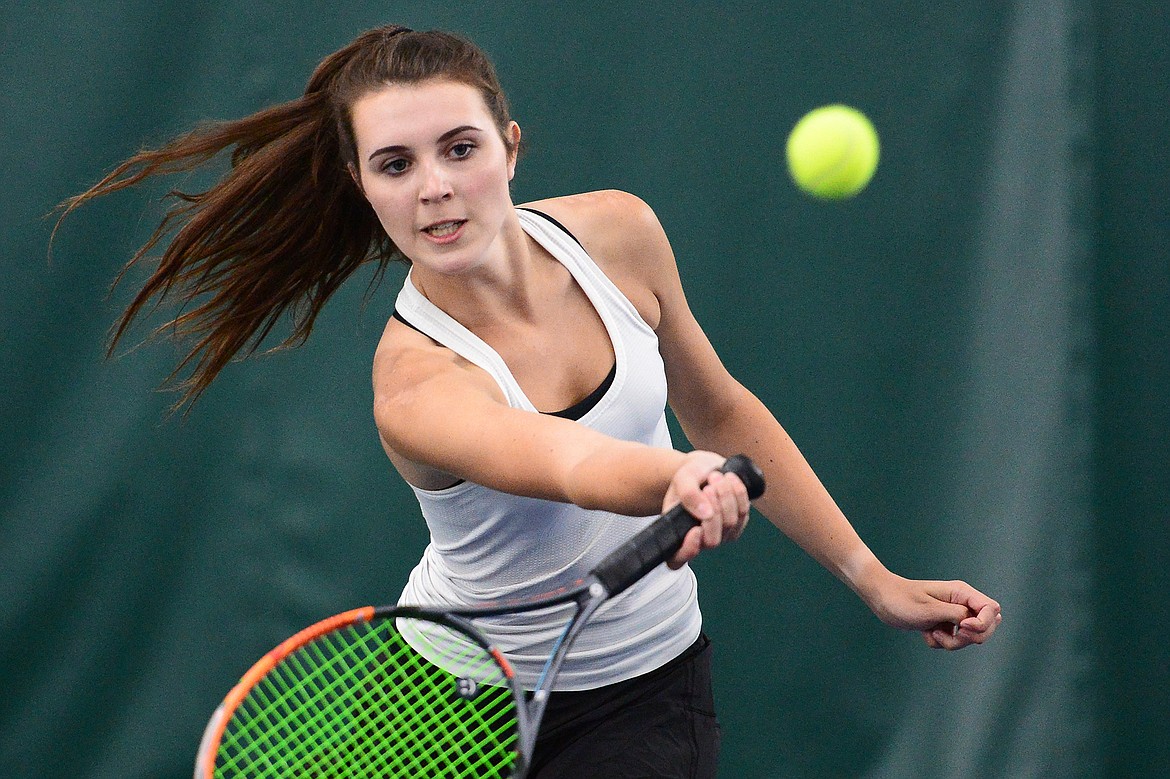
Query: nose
x=435 y=186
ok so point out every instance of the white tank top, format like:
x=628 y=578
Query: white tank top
x=486 y=545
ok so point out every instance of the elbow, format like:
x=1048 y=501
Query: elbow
x=388 y=416
x=705 y=423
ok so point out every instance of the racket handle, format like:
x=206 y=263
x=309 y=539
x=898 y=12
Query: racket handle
x=658 y=542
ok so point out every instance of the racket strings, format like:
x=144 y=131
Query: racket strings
x=432 y=705
x=282 y=708
x=361 y=702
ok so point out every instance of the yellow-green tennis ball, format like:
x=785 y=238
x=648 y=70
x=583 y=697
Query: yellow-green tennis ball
x=833 y=152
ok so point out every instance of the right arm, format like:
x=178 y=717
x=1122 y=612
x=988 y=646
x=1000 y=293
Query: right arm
x=437 y=413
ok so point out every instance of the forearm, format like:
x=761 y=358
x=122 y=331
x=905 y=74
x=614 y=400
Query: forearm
x=471 y=435
x=623 y=477
x=795 y=502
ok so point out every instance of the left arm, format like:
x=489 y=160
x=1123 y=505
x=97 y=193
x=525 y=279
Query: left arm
x=717 y=413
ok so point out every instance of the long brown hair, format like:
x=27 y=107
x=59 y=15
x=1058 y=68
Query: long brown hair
x=287 y=225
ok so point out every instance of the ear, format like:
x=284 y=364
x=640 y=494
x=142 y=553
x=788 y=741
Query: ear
x=353 y=174
x=514 y=137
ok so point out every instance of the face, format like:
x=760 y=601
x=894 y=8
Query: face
x=435 y=170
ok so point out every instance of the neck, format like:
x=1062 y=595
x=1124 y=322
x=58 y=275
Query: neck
x=503 y=287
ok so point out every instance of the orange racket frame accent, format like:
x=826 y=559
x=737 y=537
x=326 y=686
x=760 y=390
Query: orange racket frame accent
x=205 y=762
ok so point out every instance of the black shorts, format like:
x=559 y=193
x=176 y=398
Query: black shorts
x=661 y=724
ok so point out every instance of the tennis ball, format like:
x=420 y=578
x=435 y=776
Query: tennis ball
x=832 y=152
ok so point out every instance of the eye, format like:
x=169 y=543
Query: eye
x=462 y=150
x=394 y=166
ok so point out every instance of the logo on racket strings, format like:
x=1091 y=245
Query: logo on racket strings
x=466 y=688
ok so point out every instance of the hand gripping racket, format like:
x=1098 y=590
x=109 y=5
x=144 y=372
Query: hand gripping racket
x=413 y=692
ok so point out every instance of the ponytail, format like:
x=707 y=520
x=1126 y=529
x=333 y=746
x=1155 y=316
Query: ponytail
x=277 y=235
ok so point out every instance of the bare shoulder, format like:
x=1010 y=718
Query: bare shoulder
x=408 y=369
x=609 y=220
x=623 y=235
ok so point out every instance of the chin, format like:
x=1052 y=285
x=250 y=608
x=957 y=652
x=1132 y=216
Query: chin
x=450 y=263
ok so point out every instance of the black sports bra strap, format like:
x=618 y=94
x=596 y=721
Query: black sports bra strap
x=564 y=229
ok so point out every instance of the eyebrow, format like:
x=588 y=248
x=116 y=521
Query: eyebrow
x=441 y=139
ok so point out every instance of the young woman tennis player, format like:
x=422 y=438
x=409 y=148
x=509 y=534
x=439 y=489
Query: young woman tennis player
x=520 y=386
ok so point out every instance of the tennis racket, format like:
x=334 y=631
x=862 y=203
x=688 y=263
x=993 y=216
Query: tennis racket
x=402 y=691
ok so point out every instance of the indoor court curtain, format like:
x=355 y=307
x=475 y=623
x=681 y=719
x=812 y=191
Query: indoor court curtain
x=1022 y=496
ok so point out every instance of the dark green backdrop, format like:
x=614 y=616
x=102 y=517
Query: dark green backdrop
x=973 y=354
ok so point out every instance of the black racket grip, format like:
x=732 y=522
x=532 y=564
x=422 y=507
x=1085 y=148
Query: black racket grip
x=661 y=539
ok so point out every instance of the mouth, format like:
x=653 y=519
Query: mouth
x=447 y=229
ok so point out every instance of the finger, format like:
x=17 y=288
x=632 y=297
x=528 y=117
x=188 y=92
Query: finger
x=692 y=543
x=980 y=627
x=949 y=615
x=984 y=613
x=743 y=506
x=743 y=502
x=944 y=636
x=729 y=507
x=713 y=524
x=955 y=601
x=691 y=495
x=957 y=636
x=722 y=492
x=973 y=599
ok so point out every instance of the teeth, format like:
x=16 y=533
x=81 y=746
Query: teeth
x=446 y=228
